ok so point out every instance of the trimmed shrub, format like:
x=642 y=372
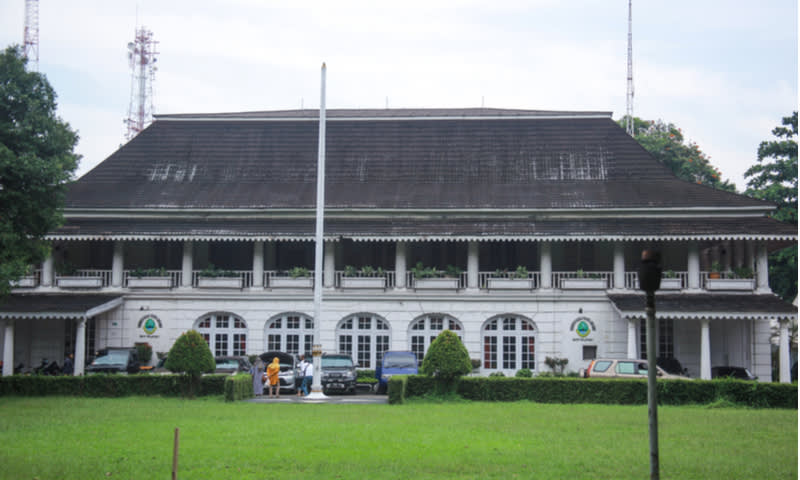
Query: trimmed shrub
x=524 y=373
x=396 y=389
x=613 y=391
x=446 y=360
x=190 y=355
x=108 y=385
x=238 y=387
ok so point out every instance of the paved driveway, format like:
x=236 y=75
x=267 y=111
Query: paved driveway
x=359 y=399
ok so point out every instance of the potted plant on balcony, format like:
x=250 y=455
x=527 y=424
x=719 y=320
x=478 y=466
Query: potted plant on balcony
x=584 y=281
x=518 y=279
x=716 y=268
x=431 y=278
x=670 y=281
x=741 y=279
x=366 y=277
x=213 y=277
x=68 y=277
x=296 y=277
x=149 y=278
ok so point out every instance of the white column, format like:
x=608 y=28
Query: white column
x=619 y=266
x=117 y=264
x=8 y=349
x=784 y=372
x=47 y=271
x=400 y=265
x=693 y=266
x=472 y=265
x=329 y=268
x=258 y=265
x=80 y=347
x=705 y=350
x=762 y=269
x=545 y=265
x=186 y=267
x=632 y=351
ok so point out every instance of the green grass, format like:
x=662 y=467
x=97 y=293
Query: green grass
x=78 y=438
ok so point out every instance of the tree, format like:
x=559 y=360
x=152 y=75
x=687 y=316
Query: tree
x=774 y=179
x=446 y=360
x=36 y=161
x=191 y=356
x=666 y=143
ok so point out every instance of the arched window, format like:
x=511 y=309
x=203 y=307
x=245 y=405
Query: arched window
x=290 y=333
x=225 y=333
x=425 y=329
x=509 y=343
x=365 y=337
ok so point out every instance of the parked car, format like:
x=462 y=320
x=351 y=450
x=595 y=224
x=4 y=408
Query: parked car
x=740 y=373
x=395 y=363
x=289 y=376
x=624 y=368
x=232 y=365
x=338 y=373
x=115 y=360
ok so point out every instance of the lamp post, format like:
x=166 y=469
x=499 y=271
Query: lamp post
x=316 y=384
x=650 y=281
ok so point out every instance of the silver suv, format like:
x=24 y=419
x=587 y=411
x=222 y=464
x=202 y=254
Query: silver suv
x=624 y=368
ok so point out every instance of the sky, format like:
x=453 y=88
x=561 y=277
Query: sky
x=724 y=71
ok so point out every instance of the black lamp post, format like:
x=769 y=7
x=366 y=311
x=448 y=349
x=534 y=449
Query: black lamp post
x=650 y=281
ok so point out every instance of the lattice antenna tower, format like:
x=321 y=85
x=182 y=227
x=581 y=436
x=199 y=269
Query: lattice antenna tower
x=629 y=96
x=142 y=60
x=30 y=41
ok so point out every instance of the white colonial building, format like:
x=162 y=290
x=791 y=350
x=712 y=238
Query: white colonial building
x=539 y=216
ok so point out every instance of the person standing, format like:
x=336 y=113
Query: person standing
x=273 y=369
x=69 y=366
x=258 y=380
x=308 y=374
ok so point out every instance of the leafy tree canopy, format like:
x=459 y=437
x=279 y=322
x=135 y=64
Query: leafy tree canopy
x=190 y=355
x=666 y=143
x=447 y=358
x=36 y=161
x=774 y=179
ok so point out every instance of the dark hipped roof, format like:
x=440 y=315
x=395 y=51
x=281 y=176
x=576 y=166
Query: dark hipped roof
x=57 y=305
x=699 y=306
x=432 y=159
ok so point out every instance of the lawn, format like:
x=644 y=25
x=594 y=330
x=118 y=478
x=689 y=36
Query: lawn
x=131 y=438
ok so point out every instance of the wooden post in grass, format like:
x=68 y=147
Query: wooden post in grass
x=650 y=281
x=175 y=454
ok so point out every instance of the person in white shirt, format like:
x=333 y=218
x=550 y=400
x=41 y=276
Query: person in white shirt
x=307 y=369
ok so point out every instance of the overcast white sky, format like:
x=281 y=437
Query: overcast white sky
x=725 y=71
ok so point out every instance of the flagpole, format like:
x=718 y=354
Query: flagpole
x=316 y=385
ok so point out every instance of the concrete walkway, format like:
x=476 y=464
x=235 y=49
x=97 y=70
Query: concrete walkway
x=360 y=399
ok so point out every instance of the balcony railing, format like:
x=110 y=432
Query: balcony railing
x=487 y=280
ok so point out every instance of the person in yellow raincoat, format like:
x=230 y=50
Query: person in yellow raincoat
x=273 y=369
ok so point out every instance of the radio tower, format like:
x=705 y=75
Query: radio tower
x=629 y=96
x=31 y=41
x=141 y=58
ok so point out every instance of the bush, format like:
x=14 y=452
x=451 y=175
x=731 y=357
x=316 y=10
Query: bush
x=145 y=352
x=524 y=373
x=238 y=387
x=190 y=355
x=113 y=385
x=612 y=391
x=446 y=360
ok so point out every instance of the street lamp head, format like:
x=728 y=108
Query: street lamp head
x=650 y=270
